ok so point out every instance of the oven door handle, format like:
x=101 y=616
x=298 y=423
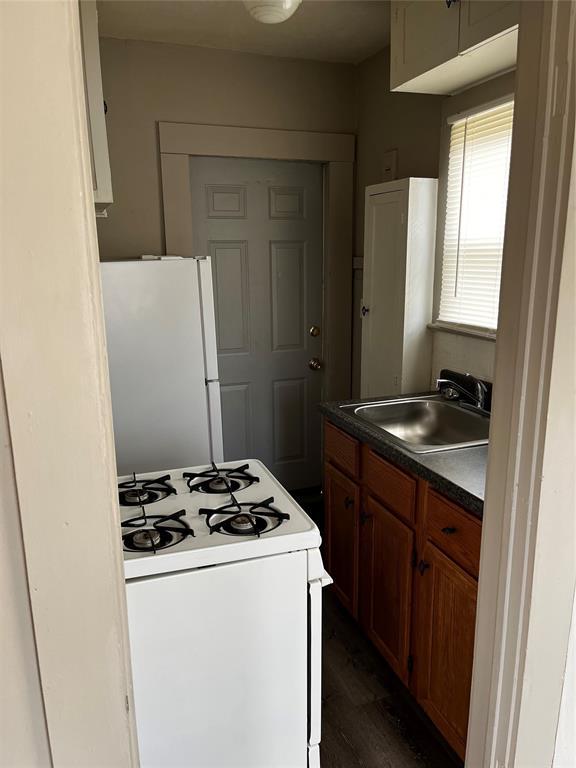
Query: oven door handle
x=315 y=657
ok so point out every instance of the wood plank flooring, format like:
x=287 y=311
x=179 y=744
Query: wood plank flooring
x=368 y=720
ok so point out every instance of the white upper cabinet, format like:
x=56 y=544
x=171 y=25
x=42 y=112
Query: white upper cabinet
x=423 y=36
x=100 y=162
x=481 y=20
x=443 y=46
x=399 y=236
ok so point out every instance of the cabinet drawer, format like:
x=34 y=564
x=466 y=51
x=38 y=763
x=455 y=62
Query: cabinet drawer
x=455 y=532
x=341 y=449
x=395 y=488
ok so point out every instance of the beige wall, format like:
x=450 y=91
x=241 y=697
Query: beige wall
x=407 y=122
x=145 y=83
x=149 y=82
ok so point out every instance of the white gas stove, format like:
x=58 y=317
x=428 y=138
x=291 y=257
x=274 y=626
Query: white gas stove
x=197 y=516
x=224 y=586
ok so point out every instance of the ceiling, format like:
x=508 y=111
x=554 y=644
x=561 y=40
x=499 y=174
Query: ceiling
x=324 y=30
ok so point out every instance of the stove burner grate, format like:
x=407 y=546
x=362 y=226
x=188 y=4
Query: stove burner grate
x=220 y=479
x=244 y=519
x=150 y=533
x=136 y=493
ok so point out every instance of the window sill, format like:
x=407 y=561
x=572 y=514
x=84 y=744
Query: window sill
x=463 y=330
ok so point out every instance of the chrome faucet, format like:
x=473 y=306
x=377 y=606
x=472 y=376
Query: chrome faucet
x=451 y=390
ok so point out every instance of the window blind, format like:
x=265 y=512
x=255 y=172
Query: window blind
x=476 y=195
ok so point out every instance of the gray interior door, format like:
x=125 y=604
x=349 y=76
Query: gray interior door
x=261 y=221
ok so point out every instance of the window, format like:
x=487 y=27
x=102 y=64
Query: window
x=476 y=194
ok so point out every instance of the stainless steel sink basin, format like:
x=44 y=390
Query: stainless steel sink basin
x=425 y=424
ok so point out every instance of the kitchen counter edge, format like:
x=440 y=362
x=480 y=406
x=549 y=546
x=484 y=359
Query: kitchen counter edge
x=458 y=474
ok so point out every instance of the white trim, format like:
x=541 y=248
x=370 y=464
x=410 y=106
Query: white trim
x=57 y=392
x=464 y=330
x=268 y=143
x=526 y=585
x=179 y=141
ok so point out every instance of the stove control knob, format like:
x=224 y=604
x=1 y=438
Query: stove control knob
x=314 y=364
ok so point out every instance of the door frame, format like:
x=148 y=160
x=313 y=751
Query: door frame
x=59 y=468
x=335 y=151
x=527 y=569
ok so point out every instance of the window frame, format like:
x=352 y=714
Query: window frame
x=447 y=121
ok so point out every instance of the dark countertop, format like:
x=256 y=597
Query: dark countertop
x=460 y=474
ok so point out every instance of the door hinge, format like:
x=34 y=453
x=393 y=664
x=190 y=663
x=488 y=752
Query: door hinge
x=410 y=663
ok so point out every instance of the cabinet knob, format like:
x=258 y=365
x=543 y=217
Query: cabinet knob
x=315 y=364
x=448 y=530
x=450 y=2
x=423 y=566
x=364 y=518
x=364 y=310
x=348 y=502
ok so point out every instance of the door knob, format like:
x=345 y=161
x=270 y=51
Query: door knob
x=314 y=364
x=314 y=331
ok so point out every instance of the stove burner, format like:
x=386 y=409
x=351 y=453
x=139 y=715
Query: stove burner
x=244 y=525
x=136 y=493
x=220 y=479
x=149 y=538
x=155 y=532
x=246 y=519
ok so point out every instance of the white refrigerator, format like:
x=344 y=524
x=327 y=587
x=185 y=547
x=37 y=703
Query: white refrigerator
x=162 y=356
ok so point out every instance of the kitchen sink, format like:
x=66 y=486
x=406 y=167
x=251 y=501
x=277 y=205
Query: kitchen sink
x=425 y=424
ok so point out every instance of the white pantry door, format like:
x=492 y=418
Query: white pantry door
x=383 y=294
x=261 y=222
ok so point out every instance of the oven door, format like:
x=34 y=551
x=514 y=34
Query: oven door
x=219 y=664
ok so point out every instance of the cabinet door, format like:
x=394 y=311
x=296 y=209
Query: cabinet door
x=444 y=640
x=422 y=36
x=482 y=19
x=383 y=293
x=391 y=586
x=342 y=502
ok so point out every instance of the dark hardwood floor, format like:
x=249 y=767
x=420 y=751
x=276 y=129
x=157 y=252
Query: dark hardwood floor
x=368 y=720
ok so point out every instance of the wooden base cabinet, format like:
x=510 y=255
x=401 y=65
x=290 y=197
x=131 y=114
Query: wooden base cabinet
x=404 y=560
x=342 y=506
x=389 y=587
x=444 y=643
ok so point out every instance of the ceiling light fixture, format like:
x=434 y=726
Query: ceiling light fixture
x=271 y=11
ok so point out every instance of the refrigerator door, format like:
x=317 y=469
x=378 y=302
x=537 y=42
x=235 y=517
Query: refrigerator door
x=155 y=340
x=211 y=357
x=219 y=664
x=208 y=318
x=215 y=415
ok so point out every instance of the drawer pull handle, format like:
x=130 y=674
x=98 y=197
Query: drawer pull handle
x=348 y=502
x=448 y=530
x=423 y=566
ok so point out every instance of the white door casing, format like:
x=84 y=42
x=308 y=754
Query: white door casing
x=261 y=223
